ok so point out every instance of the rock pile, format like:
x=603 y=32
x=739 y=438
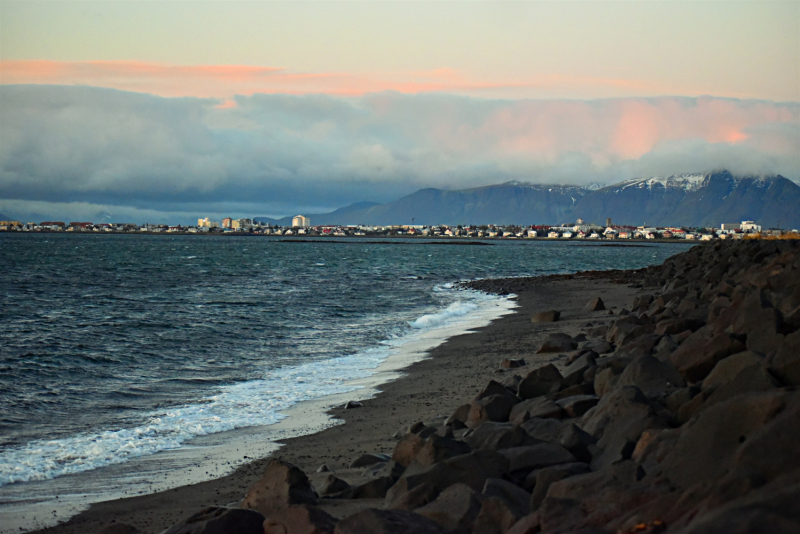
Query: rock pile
x=682 y=416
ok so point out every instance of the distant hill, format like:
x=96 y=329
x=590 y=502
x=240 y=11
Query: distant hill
x=707 y=199
x=4 y=217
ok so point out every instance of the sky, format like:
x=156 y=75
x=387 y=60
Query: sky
x=172 y=111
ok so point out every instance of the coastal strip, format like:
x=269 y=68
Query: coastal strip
x=658 y=400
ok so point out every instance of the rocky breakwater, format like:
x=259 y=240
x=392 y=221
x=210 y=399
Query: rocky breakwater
x=679 y=415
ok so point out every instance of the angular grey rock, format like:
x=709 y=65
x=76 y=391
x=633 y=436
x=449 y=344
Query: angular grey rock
x=493 y=388
x=537 y=456
x=333 y=485
x=472 y=469
x=618 y=421
x=539 y=382
x=282 y=485
x=596 y=304
x=550 y=316
x=727 y=369
x=698 y=354
x=654 y=378
x=400 y=497
x=750 y=379
x=458 y=419
x=577 y=405
x=407 y=449
x=496 y=436
x=540 y=407
x=548 y=475
x=495 y=408
x=372 y=489
x=455 y=509
x=707 y=445
x=786 y=363
x=437 y=449
x=517 y=499
x=558 y=342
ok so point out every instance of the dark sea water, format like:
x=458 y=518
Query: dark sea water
x=118 y=346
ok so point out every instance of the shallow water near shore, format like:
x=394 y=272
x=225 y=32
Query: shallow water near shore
x=117 y=347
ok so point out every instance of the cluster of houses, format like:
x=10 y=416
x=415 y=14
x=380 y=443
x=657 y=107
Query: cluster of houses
x=301 y=226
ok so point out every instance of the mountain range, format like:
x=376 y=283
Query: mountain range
x=706 y=199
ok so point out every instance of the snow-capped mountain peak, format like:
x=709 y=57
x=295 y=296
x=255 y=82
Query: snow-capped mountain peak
x=687 y=182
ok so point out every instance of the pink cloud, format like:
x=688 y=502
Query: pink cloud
x=224 y=81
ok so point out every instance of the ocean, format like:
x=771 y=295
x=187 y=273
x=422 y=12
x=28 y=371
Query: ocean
x=118 y=347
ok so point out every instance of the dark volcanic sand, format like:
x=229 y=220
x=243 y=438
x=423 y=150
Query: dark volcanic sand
x=429 y=391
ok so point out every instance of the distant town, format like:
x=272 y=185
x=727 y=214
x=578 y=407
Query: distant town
x=301 y=226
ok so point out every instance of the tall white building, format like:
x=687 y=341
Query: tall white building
x=300 y=220
x=205 y=223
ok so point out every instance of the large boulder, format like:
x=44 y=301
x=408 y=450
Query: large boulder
x=707 y=444
x=654 y=378
x=494 y=408
x=300 y=519
x=458 y=419
x=333 y=485
x=472 y=469
x=217 y=520
x=771 y=451
x=372 y=489
x=388 y=522
x=698 y=354
x=401 y=497
x=750 y=379
x=437 y=449
x=540 y=407
x=537 y=456
x=407 y=449
x=503 y=504
x=592 y=499
x=558 y=342
x=726 y=370
x=774 y=510
x=596 y=304
x=539 y=382
x=455 y=509
x=492 y=388
x=786 y=363
x=496 y=436
x=549 y=316
x=548 y=475
x=577 y=405
x=617 y=422
x=282 y=485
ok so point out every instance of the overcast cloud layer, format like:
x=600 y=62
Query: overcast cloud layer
x=90 y=153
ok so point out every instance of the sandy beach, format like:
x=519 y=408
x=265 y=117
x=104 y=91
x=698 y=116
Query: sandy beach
x=427 y=391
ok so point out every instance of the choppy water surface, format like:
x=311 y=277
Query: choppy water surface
x=115 y=346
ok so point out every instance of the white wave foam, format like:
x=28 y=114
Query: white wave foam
x=252 y=403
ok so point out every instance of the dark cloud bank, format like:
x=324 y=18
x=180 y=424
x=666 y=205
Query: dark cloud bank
x=83 y=152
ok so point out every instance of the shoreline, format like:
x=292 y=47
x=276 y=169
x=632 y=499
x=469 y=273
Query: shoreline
x=223 y=452
x=433 y=385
